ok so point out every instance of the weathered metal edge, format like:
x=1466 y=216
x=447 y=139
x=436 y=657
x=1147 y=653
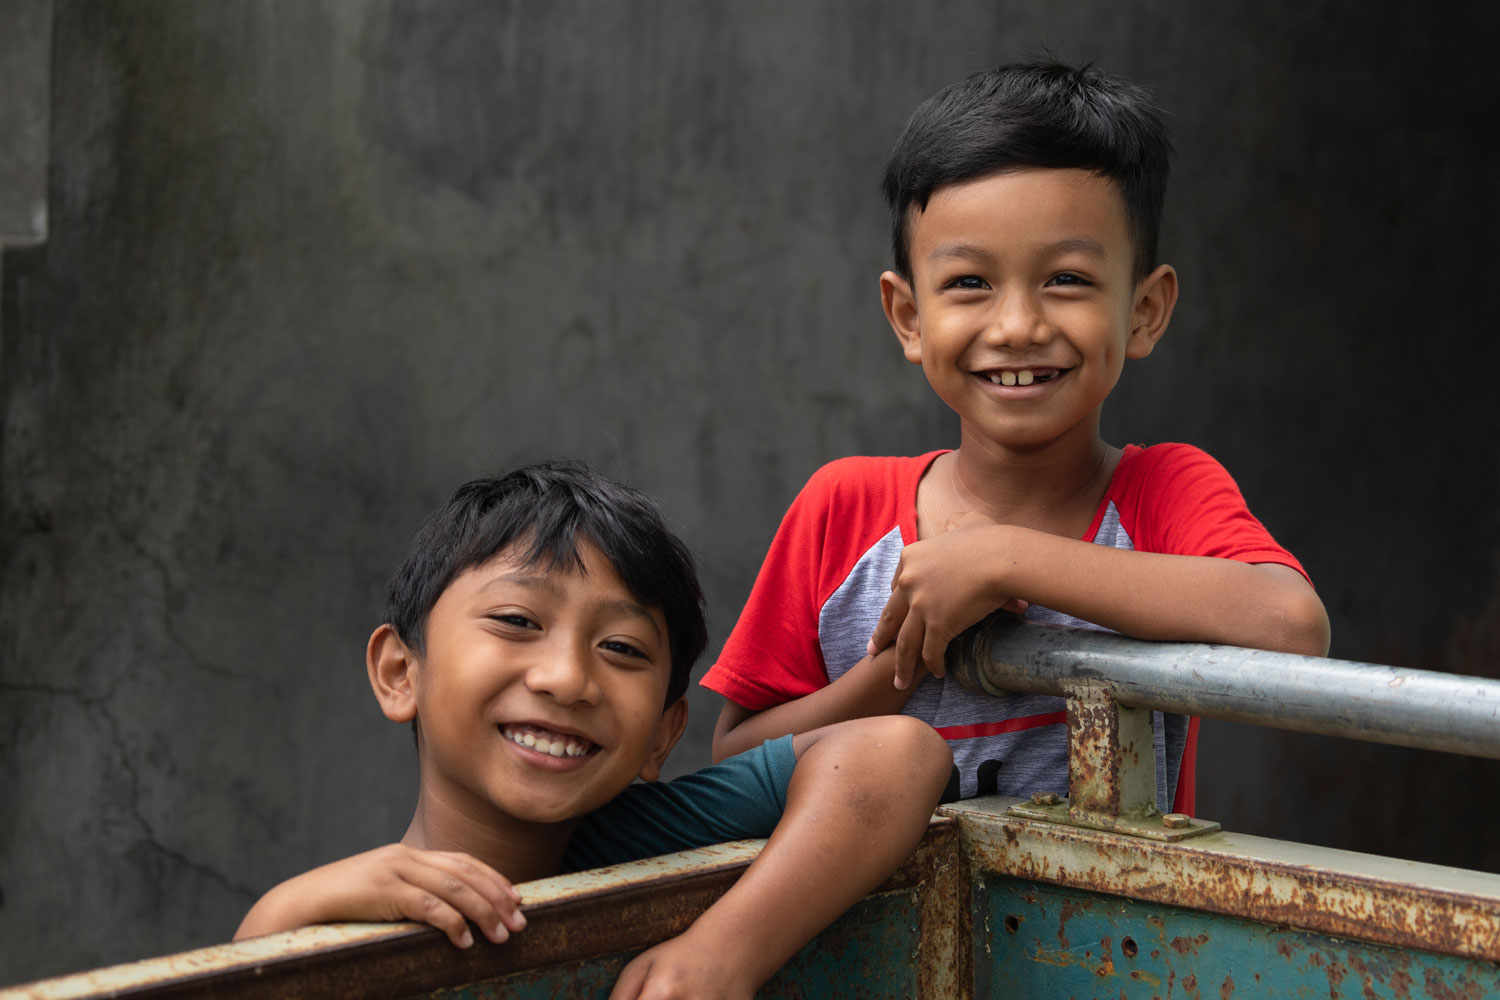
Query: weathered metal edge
x=1327 y=891
x=945 y=948
x=646 y=901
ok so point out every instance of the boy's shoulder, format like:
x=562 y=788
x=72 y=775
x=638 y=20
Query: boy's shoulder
x=1166 y=467
x=855 y=476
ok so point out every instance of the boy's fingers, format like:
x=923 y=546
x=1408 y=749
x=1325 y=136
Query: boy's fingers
x=494 y=912
x=424 y=907
x=485 y=880
x=891 y=618
x=908 y=646
x=628 y=986
x=934 y=653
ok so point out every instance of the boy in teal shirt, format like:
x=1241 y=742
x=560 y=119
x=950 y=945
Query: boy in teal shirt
x=539 y=637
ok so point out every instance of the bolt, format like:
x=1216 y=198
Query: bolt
x=1044 y=798
x=1175 y=821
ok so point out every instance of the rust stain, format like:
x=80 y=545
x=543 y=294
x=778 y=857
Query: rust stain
x=1226 y=989
x=1336 y=973
x=1106 y=952
x=1439 y=990
x=1190 y=986
x=1142 y=976
x=1183 y=945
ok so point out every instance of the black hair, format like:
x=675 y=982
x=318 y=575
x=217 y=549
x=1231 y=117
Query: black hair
x=547 y=510
x=1039 y=114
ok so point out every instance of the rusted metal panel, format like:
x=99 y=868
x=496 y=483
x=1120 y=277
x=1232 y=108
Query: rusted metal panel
x=574 y=922
x=1380 y=900
x=1048 y=941
x=1111 y=757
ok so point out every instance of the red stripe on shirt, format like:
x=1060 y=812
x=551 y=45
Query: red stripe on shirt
x=1003 y=726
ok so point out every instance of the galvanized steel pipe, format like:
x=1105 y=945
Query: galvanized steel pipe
x=1361 y=701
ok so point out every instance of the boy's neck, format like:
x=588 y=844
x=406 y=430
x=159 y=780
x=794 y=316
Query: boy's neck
x=519 y=850
x=1054 y=487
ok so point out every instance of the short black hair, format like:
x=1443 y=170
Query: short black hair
x=1037 y=114
x=547 y=510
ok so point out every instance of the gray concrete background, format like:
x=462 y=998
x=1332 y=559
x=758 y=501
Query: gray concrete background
x=312 y=263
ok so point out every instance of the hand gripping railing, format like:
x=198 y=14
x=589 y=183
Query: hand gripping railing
x=1111 y=683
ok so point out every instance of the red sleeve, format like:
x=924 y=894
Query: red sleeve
x=1176 y=499
x=772 y=656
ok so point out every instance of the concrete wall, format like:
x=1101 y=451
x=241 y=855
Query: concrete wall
x=311 y=263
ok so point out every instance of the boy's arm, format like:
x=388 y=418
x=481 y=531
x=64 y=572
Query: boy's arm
x=394 y=882
x=946 y=583
x=857 y=805
x=865 y=689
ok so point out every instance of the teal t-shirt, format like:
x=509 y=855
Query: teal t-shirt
x=736 y=799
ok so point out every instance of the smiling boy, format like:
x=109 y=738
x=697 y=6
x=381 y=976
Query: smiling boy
x=539 y=637
x=1025 y=203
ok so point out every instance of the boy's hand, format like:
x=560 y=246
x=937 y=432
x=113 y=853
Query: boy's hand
x=395 y=882
x=942 y=585
x=680 y=969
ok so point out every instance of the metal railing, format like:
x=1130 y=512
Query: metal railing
x=1362 y=701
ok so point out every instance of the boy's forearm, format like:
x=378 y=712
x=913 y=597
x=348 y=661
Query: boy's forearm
x=858 y=804
x=281 y=909
x=865 y=689
x=1165 y=597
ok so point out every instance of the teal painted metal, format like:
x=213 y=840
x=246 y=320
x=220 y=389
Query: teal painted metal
x=1034 y=940
x=870 y=953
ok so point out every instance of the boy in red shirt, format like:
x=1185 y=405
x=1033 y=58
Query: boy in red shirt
x=1025 y=203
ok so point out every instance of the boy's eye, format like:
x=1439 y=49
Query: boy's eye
x=969 y=281
x=623 y=649
x=515 y=621
x=1069 y=278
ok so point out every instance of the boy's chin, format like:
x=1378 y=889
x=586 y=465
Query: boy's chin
x=543 y=809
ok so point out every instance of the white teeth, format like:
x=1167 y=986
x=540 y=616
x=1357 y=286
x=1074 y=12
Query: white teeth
x=1023 y=378
x=563 y=747
x=1007 y=378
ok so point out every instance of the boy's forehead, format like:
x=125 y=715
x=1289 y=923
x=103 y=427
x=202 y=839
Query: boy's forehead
x=1066 y=208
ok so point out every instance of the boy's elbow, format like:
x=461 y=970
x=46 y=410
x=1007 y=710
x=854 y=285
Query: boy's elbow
x=1304 y=625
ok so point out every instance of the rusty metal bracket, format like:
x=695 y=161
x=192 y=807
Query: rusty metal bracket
x=1111 y=772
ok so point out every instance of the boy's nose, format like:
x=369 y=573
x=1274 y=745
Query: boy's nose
x=1017 y=321
x=566 y=673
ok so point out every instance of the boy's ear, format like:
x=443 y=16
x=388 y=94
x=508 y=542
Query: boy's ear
x=900 y=305
x=668 y=732
x=1155 y=298
x=391 y=665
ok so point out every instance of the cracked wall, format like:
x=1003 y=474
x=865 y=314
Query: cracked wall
x=310 y=264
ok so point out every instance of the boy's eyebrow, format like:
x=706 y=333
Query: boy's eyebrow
x=630 y=609
x=1078 y=244
x=530 y=580
x=633 y=610
x=969 y=251
x=959 y=251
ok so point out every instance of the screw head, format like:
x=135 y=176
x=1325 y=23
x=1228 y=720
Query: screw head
x=1044 y=798
x=1176 y=821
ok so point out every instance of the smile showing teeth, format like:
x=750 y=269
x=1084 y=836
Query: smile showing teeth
x=550 y=743
x=1025 y=376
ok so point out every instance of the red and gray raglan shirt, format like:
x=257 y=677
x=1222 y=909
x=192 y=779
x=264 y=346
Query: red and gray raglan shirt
x=828 y=575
